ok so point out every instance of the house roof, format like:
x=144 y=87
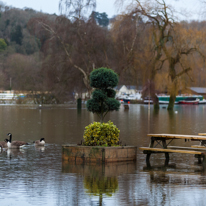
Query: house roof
x=200 y=90
x=129 y=87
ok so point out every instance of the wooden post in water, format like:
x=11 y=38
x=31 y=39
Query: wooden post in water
x=79 y=103
x=126 y=106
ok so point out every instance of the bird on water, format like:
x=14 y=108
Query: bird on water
x=40 y=142
x=3 y=144
x=15 y=144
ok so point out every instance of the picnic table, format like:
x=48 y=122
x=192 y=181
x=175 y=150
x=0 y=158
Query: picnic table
x=160 y=143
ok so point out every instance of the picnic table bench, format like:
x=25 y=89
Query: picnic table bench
x=160 y=143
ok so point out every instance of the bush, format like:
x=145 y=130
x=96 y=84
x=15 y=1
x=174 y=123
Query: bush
x=103 y=97
x=101 y=134
x=103 y=78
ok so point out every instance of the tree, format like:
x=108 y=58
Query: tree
x=24 y=71
x=3 y=45
x=83 y=45
x=102 y=102
x=76 y=9
x=16 y=35
x=126 y=31
x=101 y=18
x=167 y=44
x=179 y=49
x=159 y=19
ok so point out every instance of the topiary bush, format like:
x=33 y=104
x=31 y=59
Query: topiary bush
x=103 y=97
x=101 y=134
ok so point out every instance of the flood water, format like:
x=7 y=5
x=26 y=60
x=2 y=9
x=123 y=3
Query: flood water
x=37 y=176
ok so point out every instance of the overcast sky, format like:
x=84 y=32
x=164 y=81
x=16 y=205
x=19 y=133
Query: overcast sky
x=193 y=7
x=52 y=6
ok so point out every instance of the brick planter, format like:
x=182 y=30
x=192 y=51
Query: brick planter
x=97 y=154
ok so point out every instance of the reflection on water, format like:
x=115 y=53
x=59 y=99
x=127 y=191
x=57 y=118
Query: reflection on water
x=100 y=180
x=37 y=176
x=39 y=148
x=100 y=185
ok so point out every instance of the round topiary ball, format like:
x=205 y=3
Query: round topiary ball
x=103 y=78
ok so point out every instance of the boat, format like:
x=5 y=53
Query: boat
x=202 y=101
x=164 y=99
x=189 y=100
x=128 y=97
x=148 y=100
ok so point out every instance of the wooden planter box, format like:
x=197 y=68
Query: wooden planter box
x=97 y=154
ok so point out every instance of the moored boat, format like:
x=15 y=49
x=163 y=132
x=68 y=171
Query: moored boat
x=164 y=99
x=189 y=100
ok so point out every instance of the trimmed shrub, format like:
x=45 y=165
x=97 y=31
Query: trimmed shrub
x=103 y=97
x=103 y=78
x=101 y=134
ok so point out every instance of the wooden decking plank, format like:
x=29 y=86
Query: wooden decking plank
x=170 y=150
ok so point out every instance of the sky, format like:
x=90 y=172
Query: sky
x=52 y=6
x=193 y=7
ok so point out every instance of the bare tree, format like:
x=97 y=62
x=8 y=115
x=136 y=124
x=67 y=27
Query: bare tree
x=83 y=46
x=76 y=9
x=167 y=44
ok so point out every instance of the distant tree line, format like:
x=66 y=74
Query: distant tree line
x=146 y=46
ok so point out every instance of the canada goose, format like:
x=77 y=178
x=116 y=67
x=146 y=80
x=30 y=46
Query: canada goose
x=40 y=142
x=3 y=144
x=15 y=144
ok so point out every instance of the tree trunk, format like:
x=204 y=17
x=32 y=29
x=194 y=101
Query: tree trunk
x=171 y=102
x=79 y=103
x=173 y=93
x=155 y=101
x=101 y=117
x=153 y=95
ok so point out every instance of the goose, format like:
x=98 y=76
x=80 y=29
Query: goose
x=40 y=142
x=3 y=144
x=15 y=144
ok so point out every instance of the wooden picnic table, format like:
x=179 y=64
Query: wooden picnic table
x=160 y=143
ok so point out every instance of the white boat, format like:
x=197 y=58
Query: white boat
x=164 y=99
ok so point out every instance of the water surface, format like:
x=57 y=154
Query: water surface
x=36 y=176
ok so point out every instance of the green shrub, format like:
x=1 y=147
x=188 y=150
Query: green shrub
x=103 y=97
x=101 y=134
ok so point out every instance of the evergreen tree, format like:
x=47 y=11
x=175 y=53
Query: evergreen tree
x=103 y=97
x=17 y=35
x=101 y=18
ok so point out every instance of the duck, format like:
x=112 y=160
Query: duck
x=40 y=142
x=15 y=144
